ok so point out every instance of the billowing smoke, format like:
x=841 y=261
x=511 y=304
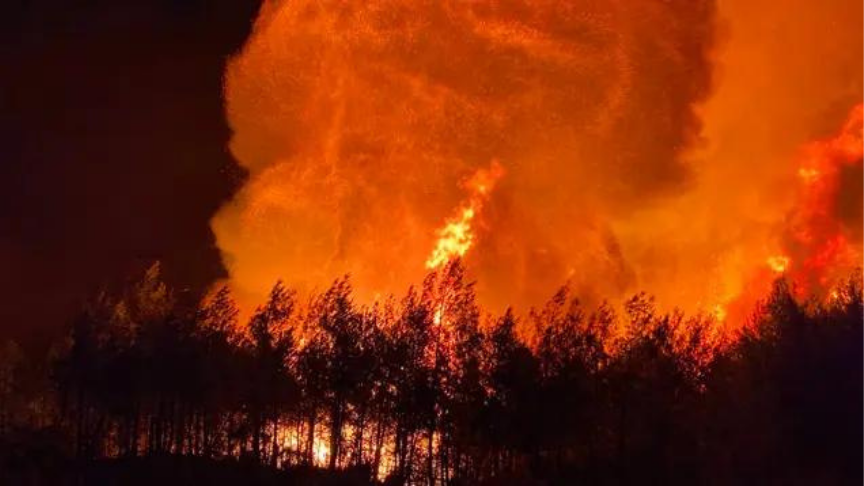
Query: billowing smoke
x=360 y=123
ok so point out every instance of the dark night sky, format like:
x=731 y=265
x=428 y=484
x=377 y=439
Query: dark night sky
x=112 y=148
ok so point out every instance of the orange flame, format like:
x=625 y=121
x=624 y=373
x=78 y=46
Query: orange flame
x=778 y=263
x=815 y=247
x=457 y=236
x=817 y=235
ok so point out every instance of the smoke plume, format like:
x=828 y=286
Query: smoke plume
x=630 y=159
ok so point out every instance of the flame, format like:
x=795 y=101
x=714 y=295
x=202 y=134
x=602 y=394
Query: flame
x=719 y=313
x=817 y=234
x=631 y=164
x=454 y=240
x=292 y=441
x=457 y=236
x=778 y=263
x=814 y=246
x=808 y=175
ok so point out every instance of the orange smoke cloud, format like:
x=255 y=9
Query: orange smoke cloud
x=358 y=120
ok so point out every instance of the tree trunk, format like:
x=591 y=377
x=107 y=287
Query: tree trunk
x=358 y=440
x=256 y=435
x=310 y=440
x=379 y=444
x=335 y=432
x=274 y=453
x=430 y=457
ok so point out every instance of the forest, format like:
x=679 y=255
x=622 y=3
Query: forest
x=427 y=388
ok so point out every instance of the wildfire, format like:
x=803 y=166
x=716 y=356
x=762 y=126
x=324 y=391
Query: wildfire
x=808 y=175
x=719 y=312
x=357 y=120
x=454 y=240
x=457 y=236
x=778 y=263
x=816 y=246
x=817 y=235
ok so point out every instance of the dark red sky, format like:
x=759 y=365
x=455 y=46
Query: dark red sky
x=112 y=148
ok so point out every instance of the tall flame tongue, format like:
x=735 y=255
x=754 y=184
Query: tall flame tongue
x=457 y=236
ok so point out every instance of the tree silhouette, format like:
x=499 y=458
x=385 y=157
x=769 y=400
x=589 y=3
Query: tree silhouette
x=427 y=389
x=270 y=388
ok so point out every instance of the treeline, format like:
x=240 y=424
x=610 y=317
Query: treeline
x=428 y=389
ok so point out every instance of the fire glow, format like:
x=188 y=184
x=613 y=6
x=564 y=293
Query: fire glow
x=457 y=236
x=368 y=129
